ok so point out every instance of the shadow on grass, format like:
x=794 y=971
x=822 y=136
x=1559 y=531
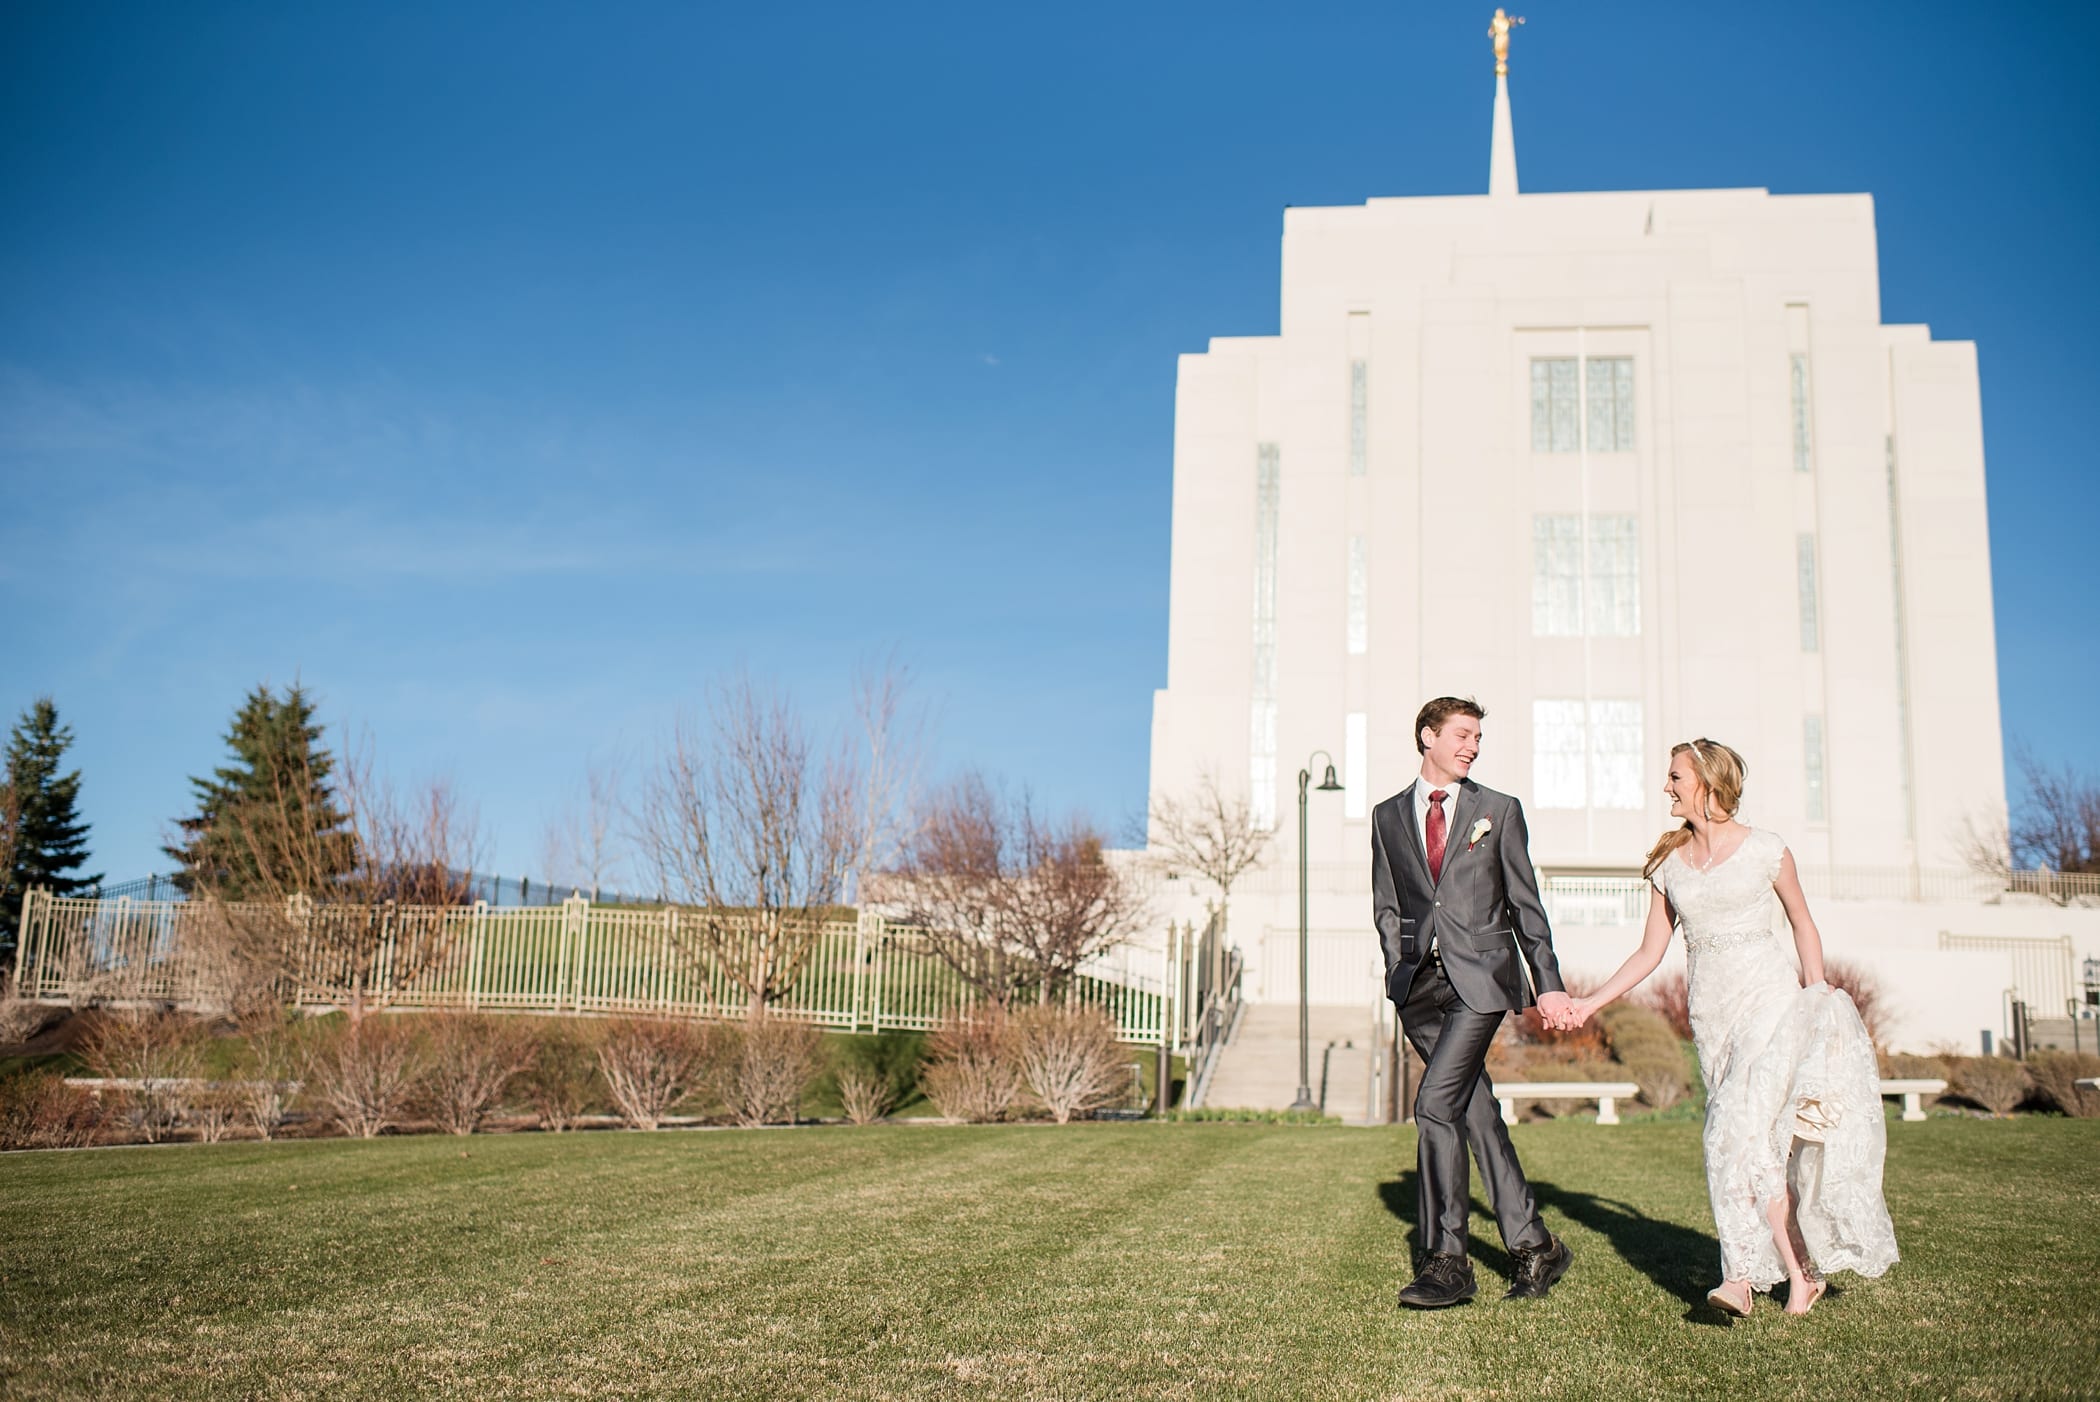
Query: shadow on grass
x=1399 y=1197
x=1678 y=1259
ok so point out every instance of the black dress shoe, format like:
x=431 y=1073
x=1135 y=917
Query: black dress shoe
x=1445 y=1279
x=1538 y=1269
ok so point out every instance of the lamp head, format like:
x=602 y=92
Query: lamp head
x=1328 y=783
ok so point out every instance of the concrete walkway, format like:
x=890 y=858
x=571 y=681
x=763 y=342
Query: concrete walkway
x=1258 y=1069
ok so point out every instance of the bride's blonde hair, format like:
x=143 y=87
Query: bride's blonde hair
x=1722 y=771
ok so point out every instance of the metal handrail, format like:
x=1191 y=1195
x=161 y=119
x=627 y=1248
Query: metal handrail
x=1218 y=1019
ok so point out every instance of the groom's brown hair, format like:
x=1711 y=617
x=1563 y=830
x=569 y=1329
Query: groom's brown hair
x=1433 y=715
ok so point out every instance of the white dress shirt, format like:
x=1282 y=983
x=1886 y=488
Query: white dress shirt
x=1423 y=788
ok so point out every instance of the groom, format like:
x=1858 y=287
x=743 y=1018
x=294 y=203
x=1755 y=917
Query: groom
x=1458 y=914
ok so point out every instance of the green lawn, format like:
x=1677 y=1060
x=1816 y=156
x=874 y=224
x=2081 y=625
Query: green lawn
x=1186 y=1260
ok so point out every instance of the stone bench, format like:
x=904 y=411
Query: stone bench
x=1913 y=1093
x=1607 y=1094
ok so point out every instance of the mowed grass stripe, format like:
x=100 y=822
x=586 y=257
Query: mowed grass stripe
x=1172 y=1261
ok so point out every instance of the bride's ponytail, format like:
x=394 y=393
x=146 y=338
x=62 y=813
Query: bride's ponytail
x=1722 y=771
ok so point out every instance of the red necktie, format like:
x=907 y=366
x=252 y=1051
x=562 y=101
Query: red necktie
x=1435 y=841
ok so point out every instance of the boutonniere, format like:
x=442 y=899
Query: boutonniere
x=1480 y=830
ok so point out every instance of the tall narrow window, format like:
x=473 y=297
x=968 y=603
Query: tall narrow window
x=1262 y=756
x=1615 y=754
x=1359 y=412
x=1556 y=423
x=1610 y=403
x=1558 y=592
x=1910 y=814
x=1356 y=764
x=1558 y=754
x=1805 y=580
x=1615 y=576
x=1804 y=454
x=1359 y=597
x=1556 y=576
x=1812 y=766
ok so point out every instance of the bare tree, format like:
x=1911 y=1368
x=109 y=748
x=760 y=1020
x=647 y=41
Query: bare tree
x=1209 y=833
x=1010 y=902
x=893 y=739
x=746 y=821
x=583 y=848
x=2054 y=825
x=364 y=934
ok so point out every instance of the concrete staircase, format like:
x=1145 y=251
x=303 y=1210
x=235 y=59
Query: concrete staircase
x=1258 y=1068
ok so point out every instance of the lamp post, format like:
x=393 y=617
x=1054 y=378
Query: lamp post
x=1328 y=784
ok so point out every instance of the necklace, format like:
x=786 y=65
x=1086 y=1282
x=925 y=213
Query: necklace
x=1711 y=857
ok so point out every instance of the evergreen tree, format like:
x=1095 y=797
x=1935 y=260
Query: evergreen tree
x=49 y=840
x=271 y=805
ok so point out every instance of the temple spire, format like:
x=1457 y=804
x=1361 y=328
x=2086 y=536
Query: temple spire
x=1502 y=156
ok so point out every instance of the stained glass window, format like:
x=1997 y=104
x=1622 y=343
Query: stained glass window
x=1615 y=754
x=1359 y=430
x=1556 y=426
x=1359 y=597
x=1804 y=457
x=1812 y=766
x=1610 y=403
x=1558 y=754
x=1805 y=581
x=1614 y=578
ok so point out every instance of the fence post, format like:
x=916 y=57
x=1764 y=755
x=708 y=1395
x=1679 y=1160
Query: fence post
x=860 y=956
x=576 y=915
x=28 y=974
x=882 y=945
x=481 y=913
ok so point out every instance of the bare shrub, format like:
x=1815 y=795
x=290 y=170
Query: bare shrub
x=2056 y=1075
x=1996 y=1083
x=1669 y=994
x=469 y=1061
x=1648 y=1052
x=161 y=1053
x=971 y=1072
x=1069 y=1058
x=214 y=1109
x=651 y=1064
x=1865 y=990
x=563 y=1075
x=864 y=1095
x=270 y=1065
x=768 y=1066
x=366 y=1076
x=38 y=1110
x=21 y=1019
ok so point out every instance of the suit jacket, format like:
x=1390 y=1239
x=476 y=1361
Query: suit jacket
x=1483 y=913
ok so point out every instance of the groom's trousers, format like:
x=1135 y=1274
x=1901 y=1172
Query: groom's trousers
x=1455 y=1107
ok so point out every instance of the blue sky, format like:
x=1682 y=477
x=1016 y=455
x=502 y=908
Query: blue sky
x=507 y=371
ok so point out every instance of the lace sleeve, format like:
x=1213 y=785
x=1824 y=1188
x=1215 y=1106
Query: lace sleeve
x=1775 y=854
x=1657 y=881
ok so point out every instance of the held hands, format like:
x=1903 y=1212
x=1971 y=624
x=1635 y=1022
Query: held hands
x=1564 y=1014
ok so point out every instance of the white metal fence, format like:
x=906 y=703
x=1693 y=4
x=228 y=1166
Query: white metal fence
x=861 y=975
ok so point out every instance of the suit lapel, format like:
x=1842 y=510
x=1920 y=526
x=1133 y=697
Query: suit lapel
x=1462 y=805
x=1413 y=831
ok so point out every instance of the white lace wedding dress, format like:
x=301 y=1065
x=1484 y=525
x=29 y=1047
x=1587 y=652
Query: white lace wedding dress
x=1793 y=1092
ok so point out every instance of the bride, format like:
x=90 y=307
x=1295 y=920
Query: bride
x=1794 y=1130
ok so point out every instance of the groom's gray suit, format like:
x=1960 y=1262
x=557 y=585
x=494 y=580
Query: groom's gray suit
x=1457 y=949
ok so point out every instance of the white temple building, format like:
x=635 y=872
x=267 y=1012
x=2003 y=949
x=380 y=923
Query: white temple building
x=1629 y=468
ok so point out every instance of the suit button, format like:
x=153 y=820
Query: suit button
x=1439 y=902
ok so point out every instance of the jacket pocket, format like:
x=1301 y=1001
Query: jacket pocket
x=1490 y=939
